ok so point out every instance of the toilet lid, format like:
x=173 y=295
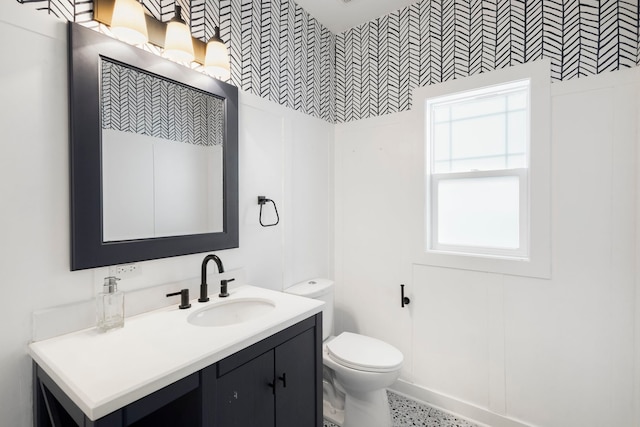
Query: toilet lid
x=364 y=353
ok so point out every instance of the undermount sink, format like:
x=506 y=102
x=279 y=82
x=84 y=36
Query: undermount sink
x=231 y=312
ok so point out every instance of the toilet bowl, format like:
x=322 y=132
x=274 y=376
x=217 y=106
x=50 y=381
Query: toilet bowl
x=358 y=367
x=363 y=367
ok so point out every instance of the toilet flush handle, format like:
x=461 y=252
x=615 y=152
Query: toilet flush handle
x=403 y=300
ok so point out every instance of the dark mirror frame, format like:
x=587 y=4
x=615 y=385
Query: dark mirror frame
x=88 y=250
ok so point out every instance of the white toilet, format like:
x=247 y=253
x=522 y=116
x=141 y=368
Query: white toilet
x=357 y=368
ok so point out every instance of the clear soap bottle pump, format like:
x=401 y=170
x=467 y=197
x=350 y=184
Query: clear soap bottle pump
x=110 y=306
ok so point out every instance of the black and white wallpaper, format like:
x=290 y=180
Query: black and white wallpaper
x=137 y=102
x=279 y=52
x=380 y=62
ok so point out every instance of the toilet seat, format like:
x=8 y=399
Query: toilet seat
x=364 y=353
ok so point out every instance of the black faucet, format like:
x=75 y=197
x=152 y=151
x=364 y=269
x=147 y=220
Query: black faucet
x=203 y=282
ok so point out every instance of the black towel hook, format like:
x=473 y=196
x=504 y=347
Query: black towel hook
x=261 y=201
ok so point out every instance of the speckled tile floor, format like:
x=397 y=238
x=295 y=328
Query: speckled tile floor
x=409 y=413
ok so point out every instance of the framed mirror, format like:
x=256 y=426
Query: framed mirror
x=154 y=155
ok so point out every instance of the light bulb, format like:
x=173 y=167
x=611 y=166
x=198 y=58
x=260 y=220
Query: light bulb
x=178 y=43
x=216 y=62
x=128 y=22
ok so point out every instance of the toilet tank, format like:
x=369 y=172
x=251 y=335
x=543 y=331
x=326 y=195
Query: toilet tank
x=320 y=289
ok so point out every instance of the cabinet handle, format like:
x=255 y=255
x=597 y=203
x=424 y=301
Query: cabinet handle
x=272 y=385
x=283 y=378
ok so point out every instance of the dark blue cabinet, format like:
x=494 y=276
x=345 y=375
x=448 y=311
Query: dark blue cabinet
x=295 y=380
x=276 y=382
x=276 y=388
x=244 y=395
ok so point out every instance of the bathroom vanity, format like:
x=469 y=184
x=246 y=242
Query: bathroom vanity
x=164 y=369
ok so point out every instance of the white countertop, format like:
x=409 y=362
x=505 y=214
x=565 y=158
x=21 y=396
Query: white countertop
x=102 y=372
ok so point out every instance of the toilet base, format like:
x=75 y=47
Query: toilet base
x=331 y=414
x=367 y=409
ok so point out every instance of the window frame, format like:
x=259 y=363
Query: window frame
x=434 y=178
x=536 y=261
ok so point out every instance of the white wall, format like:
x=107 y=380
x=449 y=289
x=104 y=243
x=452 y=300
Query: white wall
x=503 y=349
x=284 y=155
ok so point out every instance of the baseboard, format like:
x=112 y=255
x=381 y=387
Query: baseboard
x=460 y=408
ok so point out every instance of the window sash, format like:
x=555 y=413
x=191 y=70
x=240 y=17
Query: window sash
x=502 y=92
x=522 y=252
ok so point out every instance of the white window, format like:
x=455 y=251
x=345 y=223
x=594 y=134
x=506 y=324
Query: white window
x=486 y=186
x=477 y=163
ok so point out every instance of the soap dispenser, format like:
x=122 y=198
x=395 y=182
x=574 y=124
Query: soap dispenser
x=110 y=306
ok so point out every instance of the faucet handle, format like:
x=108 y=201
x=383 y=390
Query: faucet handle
x=223 y=287
x=184 y=298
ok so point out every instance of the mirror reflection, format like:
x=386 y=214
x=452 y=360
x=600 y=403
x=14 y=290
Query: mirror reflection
x=162 y=156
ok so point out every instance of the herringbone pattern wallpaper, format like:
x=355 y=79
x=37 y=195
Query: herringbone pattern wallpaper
x=277 y=50
x=380 y=62
x=171 y=111
x=280 y=52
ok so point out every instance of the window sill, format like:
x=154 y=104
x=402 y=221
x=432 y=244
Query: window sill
x=514 y=266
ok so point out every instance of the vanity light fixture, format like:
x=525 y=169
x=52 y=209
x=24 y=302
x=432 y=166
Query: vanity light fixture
x=182 y=47
x=128 y=22
x=216 y=61
x=178 y=43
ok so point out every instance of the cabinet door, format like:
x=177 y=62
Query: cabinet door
x=244 y=397
x=296 y=381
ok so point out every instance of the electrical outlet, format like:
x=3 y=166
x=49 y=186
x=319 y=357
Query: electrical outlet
x=124 y=270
